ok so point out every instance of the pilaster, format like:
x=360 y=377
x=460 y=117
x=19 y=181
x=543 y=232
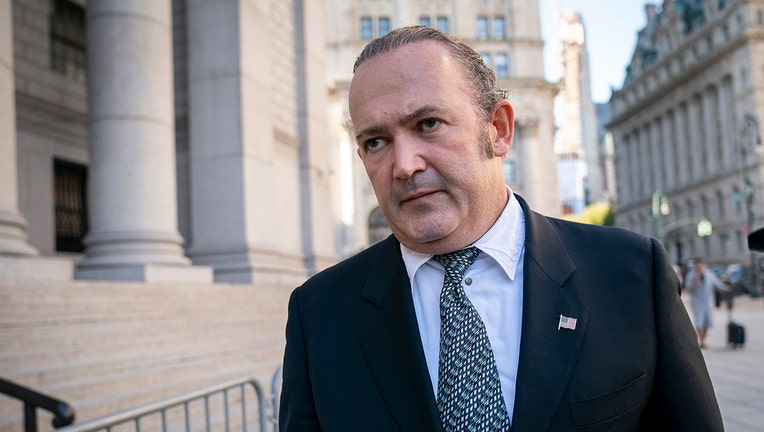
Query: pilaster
x=13 y=236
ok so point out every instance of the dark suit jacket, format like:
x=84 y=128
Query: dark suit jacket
x=354 y=359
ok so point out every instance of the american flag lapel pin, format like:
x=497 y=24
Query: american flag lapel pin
x=566 y=323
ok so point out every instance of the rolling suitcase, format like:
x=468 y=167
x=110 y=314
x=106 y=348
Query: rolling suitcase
x=735 y=335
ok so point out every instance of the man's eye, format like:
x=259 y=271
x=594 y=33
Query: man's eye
x=374 y=144
x=430 y=124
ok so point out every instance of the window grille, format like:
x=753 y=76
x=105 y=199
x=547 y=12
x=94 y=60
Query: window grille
x=70 y=197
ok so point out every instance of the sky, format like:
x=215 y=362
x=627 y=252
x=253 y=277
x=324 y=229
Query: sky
x=611 y=34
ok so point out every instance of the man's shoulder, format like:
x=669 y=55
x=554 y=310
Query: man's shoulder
x=355 y=270
x=591 y=231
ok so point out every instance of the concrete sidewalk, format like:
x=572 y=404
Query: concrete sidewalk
x=738 y=374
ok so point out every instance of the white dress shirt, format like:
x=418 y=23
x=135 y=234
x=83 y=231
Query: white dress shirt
x=496 y=291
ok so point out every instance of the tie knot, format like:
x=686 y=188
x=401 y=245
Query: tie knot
x=457 y=262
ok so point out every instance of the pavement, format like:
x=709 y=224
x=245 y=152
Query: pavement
x=738 y=373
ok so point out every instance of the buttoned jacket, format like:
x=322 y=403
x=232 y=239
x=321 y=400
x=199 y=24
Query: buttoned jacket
x=354 y=358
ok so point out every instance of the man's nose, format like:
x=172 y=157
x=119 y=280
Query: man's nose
x=408 y=156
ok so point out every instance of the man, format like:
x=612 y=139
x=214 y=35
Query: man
x=566 y=326
x=701 y=283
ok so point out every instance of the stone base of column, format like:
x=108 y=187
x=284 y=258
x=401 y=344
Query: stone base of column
x=13 y=238
x=146 y=273
x=138 y=256
x=262 y=268
x=36 y=268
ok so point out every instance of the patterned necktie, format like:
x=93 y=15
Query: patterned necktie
x=469 y=390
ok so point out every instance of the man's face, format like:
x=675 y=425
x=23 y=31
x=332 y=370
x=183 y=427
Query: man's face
x=423 y=144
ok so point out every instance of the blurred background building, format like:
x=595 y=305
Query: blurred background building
x=577 y=143
x=686 y=129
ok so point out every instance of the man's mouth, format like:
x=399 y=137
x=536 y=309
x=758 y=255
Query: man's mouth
x=417 y=195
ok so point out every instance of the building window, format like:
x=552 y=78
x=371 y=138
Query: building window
x=425 y=21
x=510 y=171
x=70 y=198
x=741 y=245
x=502 y=66
x=720 y=202
x=486 y=58
x=481 y=28
x=442 y=24
x=383 y=26
x=367 y=33
x=67 y=39
x=738 y=198
x=499 y=31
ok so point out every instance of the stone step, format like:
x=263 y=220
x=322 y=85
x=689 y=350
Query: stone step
x=105 y=347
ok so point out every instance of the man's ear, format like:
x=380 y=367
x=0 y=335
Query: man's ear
x=503 y=124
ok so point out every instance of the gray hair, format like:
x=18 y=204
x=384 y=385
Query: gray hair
x=482 y=76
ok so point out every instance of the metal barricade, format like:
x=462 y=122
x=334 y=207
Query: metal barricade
x=175 y=413
x=275 y=398
x=63 y=414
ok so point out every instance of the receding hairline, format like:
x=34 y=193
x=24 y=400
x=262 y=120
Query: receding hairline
x=403 y=36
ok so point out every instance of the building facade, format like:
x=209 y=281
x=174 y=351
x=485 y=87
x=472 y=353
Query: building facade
x=506 y=33
x=165 y=140
x=686 y=129
x=577 y=140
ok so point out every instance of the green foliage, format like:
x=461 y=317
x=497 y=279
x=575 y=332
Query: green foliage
x=595 y=214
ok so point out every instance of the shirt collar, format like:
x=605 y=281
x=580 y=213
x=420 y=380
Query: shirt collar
x=504 y=241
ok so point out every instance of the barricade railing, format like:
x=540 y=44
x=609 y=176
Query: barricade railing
x=175 y=413
x=63 y=414
x=275 y=396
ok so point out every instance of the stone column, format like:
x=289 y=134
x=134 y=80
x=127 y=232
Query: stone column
x=725 y=110
x=645 y=168
x=695 y=138
x=623 y=169
x=132 y=184
x=711 y=145
x=683 y=141
x=669 y=150
x=13 y=237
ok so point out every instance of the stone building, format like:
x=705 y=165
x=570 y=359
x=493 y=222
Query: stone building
x=577 y=141
x=197 y=129
x=686 y=127
x=507 y=34
x=163 y=187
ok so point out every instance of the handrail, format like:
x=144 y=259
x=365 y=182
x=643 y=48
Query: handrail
x=63 y=413
x=132 y=414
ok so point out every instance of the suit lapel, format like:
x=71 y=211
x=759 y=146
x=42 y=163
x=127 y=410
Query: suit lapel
x=392 y=344
x=547 y=354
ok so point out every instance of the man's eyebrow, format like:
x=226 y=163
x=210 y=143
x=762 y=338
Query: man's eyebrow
x=372 y=130
x=418 y=113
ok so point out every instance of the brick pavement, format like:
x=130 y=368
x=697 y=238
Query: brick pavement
x=738 y=374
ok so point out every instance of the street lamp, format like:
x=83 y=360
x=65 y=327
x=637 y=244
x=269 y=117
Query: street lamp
x=660 y=208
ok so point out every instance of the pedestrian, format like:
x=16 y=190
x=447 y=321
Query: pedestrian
x=701 y=284
x=478 y=313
